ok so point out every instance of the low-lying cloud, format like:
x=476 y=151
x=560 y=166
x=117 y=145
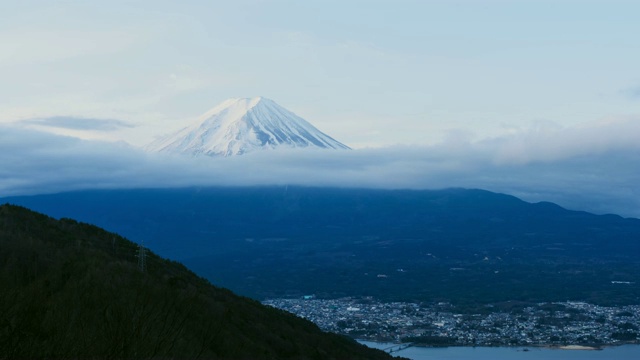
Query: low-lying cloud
x=592 y=168
x=77 y=123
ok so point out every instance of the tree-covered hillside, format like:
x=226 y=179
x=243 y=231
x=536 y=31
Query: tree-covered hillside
x=72 y=290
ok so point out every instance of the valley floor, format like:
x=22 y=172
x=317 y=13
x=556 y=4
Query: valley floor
x=542 y=324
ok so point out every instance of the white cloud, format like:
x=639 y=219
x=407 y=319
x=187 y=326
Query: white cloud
x=76 y=123
x=550 y=142
x=592 y=168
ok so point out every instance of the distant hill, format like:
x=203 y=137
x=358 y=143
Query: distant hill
x=457 y=245
x=69 y=290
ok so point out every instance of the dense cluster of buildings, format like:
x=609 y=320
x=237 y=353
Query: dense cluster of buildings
x=437 y=324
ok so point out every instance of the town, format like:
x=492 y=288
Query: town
x=542 y=324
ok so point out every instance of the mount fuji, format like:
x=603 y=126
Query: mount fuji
x=241 y=125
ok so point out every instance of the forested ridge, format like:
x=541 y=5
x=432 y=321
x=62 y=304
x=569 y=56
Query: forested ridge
x=73 y=290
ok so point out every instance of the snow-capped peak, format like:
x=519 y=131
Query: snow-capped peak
x=237 y=126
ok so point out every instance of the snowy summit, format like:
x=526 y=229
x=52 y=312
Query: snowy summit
x=238 y=126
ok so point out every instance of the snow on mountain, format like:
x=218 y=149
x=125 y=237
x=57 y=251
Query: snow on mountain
x=237 y=126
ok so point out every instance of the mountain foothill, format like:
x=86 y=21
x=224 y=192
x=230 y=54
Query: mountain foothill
x=74 y=291
x=464 y=246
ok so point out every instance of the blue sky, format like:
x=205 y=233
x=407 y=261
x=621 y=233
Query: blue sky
x=369 y=73
x=539 y=99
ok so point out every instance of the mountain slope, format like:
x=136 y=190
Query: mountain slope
x=72 y=290
x=267 y=242
x=238 y=126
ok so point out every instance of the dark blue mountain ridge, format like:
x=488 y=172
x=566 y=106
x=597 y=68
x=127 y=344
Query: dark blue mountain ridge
x=287 y=241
